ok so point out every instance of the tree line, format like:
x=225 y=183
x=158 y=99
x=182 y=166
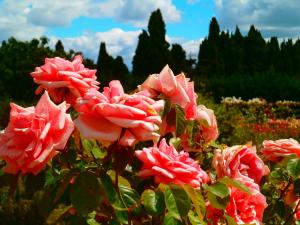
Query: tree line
x=221 y=54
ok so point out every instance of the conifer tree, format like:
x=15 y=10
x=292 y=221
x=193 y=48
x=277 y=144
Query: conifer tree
x=104 y=65
x=178 y=59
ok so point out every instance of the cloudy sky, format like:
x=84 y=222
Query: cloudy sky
x=83 y=24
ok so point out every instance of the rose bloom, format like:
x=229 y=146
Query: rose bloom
x=240 y=161
x=276 y=150
x=169 y=166
x=64 y=79
x=244 y=208
x=114 y=116
x=208 y=123
x=34 y=135
x=178 y=89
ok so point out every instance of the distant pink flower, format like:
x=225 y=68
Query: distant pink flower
x=208 y=123
x=240 y=161
x=115 y=116
x=34 y=135
x=169 y=166
x=178 y=89
x=276 y=150
x=64 y=79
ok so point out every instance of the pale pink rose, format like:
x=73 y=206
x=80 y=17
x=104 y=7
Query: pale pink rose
x=34 y=135
x=65 y=80
x=208 y=123
x=178 y=89
x=169 y=166
x=277 y=150
x=240 y=161
x=245 y=208
x=115 y=116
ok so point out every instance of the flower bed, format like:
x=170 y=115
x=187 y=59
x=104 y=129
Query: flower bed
x=149 y=157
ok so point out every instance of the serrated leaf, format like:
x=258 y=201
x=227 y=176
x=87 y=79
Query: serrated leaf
x=170 y=220
x=177 y=201
x=131 y=199
x=235 y=183
x=153 y=201
x=293 y=167
x=197 y=199
x=180 y=120
x=218 y=189
x=85 y=193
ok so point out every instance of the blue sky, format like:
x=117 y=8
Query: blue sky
x=83 y=24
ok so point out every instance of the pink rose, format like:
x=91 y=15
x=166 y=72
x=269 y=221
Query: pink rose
x=208 y=123
x=64 y=79
x=114 y=116
x=240 y=161
x=245 y=208
x=169 y=166
x=178 y=89
x=34 y=134
x=276 y=150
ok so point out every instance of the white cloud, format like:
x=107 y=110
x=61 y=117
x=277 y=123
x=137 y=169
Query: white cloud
x=272 y=17
x=118 y=42
x=31 y=18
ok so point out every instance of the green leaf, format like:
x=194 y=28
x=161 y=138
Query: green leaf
x=167 y=109
x=194 y=220
x=180 y=120
x=170 y=220
x=235 y=183
x=121 y=180
x=218 y=189
x=293 y=167
x=153 y=201
x=57 y=214
x=197 y=199
x=109 y=188
x=92 y=148
x=230 y=220
x=177 y=201
x=217 y=202
x=85 y=193
x=131 y=199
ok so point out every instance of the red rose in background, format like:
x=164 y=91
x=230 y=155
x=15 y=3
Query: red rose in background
x=244 y=208
x=114 y=116
x=65 y=80
x=276 y=150
x=169 y=166
x=34 y=135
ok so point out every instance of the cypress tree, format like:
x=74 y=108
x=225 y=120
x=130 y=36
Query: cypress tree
x=178 y=59
x=104 y=65
x=141 y=65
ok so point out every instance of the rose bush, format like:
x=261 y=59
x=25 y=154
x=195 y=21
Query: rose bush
x=127 y=161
